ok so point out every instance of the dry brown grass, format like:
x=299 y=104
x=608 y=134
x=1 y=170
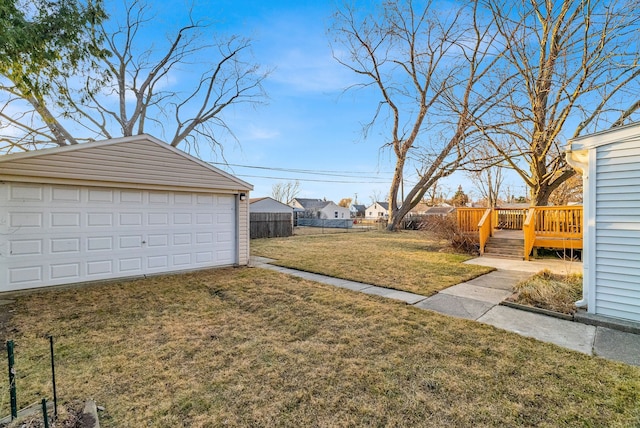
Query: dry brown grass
x=547 y=290
x=251 y=347
x=409 y=260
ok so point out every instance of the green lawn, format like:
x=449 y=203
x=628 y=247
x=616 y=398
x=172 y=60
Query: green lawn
x=409 y=260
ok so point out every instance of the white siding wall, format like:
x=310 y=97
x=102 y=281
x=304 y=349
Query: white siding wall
x=329 y=212
x=376 y=211
x=617 y=230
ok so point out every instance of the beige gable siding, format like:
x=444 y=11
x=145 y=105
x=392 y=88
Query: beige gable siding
x=617 y=230
x=141 y=162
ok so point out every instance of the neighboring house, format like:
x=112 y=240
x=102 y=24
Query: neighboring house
x=358 y=211
x=268 y=205
x=610 y=165
x=377 y=210
x=270 y=218
x=420 y=209
x=440 y=211
x=117 y=208
x=320 y=209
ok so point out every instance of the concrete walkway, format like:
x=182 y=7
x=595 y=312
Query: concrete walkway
x=479 y=300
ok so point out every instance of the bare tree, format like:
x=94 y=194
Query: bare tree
x=428 y=65
x=436 y=195
x=569 y=191
x=578 y=71
x=285 y=192
x=134 y=93
x=487 y=174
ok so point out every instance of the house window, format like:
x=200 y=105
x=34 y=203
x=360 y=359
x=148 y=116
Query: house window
x=380 y=214
x=336 y=214
x=370 y=213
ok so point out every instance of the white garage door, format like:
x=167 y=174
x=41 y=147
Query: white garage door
x=51 y=234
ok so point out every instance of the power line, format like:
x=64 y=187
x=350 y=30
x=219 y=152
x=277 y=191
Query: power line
x=331 y=173
x=315 y=180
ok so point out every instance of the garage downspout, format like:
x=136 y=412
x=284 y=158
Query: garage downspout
x=579 y=160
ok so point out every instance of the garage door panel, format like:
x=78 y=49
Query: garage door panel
x=182 y=239
x=25 y=247
x=127 y=219
x=26 y=192
x=182 y=198
x=100 y=243
x=25 y=275
x=22 y=219
x=65 y=194
x=127 y=242
x=158 y=240
x=158 y=262
x=182 y=259
x=64 y=245
x=65 y=271
x=131 y=197
x=100 y=219
x=204 y=257
x=51 y=235
x=100 y=268
x=130 y=266
x=158 y=219
x=101 y=195
x=182 y=219
x=69 y=219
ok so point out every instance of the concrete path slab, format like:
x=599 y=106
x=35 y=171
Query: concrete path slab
x=617 y=345
x=258 y=261
x=460 y=307
x=393 y=294
x=484 y=294
x=500 y=279
x=533 y=266
x=568 y=334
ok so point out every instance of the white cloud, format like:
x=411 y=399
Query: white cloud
x=254 y=132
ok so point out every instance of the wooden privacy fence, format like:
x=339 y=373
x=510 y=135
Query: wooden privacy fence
x=270 y=225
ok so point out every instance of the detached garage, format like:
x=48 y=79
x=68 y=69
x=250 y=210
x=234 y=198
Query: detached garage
x=116 y=208
x=610 y=165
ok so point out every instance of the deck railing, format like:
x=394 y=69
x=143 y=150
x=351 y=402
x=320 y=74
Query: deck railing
x=559 y=222
x=485 y=228
x=544 y=227
x=529 y=231
x=468 y=218
x=509 y=218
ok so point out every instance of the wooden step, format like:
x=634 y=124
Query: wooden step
x=505 y=247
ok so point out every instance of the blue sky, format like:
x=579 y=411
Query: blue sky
x=308 y=123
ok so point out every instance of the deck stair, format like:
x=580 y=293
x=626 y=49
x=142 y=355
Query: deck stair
x=506 y=244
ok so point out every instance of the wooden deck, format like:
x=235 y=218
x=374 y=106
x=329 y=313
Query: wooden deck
x=541 y=227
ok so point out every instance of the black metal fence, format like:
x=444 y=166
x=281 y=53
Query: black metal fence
x=270 y=225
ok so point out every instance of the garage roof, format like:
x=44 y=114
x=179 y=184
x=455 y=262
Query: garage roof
x=140 y=161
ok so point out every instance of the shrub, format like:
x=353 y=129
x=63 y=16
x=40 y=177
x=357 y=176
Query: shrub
x=446 y=227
